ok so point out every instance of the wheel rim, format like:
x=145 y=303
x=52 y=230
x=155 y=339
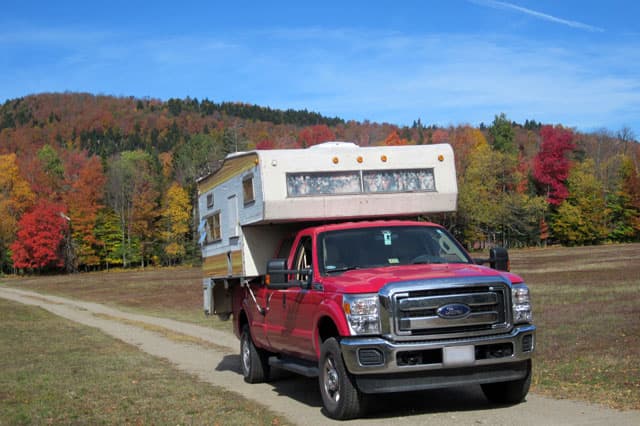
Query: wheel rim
x=331 y=380
x=246 y=355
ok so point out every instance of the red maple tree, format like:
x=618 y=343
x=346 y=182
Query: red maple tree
x=41 y=234
x=551 y=165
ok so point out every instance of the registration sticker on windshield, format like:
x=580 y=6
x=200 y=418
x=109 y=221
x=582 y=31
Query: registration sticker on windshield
x=386 y=235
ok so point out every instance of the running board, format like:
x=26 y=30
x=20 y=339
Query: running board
x=298 y=366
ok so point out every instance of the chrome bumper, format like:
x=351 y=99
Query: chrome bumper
x=374 y=355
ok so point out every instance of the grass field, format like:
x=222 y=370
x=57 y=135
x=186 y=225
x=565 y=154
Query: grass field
x=586 y=306
x=54 y=371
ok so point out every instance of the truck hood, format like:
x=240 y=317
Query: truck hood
x=371 y=280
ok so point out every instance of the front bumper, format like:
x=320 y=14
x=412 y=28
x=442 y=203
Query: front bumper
x=374 y=355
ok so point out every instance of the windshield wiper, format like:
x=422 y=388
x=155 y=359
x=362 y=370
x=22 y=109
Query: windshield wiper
x=426 y=259
x=342 y=269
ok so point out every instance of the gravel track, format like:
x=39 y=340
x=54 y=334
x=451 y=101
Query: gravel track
x=297 y=399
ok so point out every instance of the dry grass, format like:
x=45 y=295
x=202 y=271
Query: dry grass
x=587 y=308
x=55 y=371
x=586 y=305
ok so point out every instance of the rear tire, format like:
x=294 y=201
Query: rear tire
x=341 y=398
x=508 y=392
x=254 y=361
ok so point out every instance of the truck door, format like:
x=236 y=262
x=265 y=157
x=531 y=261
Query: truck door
x=290 y=314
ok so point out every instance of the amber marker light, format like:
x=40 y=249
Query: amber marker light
x=359 y=159
x=336 y=160
x=383 y=158
x=441 y=157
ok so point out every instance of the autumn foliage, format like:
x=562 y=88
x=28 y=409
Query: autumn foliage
x=15 y=195
x=123 y=172
x=551 y=165
x=40 y=238
x=314 y=135
x=85 y=182
x=394 y=139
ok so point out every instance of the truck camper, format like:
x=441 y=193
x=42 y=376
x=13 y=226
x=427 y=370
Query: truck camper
x=319 y=258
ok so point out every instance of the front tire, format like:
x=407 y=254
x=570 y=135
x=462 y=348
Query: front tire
x=254 y=361
x=508 y=392
x=341 y=398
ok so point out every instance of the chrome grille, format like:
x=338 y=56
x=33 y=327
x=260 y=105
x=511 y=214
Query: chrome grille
x=414 y=312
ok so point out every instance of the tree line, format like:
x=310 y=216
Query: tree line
x=94 y=182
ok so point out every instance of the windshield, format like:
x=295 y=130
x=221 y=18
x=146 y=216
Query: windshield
x=387 y=246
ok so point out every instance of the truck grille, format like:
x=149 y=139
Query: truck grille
x=451 y=311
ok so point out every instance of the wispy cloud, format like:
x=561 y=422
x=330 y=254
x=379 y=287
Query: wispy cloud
x=544 y=16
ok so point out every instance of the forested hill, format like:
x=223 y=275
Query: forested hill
x=121 y=171
x=105 y=125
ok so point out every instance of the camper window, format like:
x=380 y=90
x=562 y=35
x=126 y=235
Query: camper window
x=355 y=182
x=247 y=189
x=213 y=228
x=323 y=183
x=399 y=180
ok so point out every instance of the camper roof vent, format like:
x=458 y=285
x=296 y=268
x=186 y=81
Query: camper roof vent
x=334 y=144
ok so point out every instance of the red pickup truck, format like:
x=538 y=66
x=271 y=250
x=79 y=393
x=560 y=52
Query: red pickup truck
x=362 y=300
x=386 y=306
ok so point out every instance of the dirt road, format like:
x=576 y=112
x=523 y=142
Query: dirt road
x=297 y=398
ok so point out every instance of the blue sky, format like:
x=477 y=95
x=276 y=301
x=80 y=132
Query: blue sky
x=576 y=63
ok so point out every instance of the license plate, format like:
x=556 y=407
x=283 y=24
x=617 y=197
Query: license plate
x=457 y=356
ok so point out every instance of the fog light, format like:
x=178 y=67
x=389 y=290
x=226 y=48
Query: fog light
x=371 y=356
x=527 y=343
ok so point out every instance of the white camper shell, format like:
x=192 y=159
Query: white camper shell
x=259 y=197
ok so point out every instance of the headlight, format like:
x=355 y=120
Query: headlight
x=522 y=312
x=362 y=312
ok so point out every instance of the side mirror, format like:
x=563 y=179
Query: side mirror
x=278 y=275
x=276 y=272
x=499 y=259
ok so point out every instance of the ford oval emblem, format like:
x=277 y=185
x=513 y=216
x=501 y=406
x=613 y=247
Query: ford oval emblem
x=454 y=311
